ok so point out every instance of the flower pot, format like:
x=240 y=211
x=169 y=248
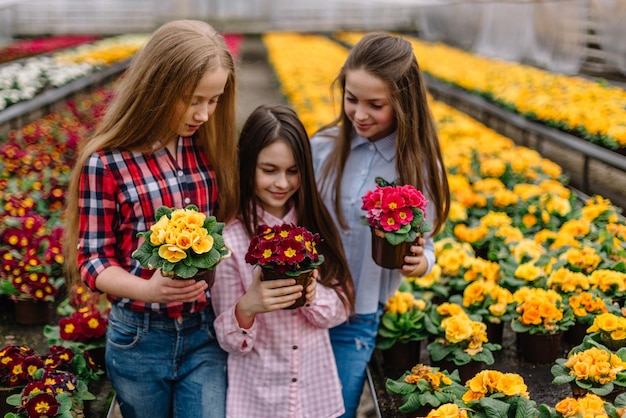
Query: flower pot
x=575 y=334
x=33 y=312
x=610 y=343
x=400 y=357
x=495 y=330
x=578 y=392
x=5 y=392
x=206 y=275
x=386 y=255
x=466 y=371
x=539 y=348
x=303 y=279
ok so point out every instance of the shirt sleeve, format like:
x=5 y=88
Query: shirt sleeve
x=229 y=287
x=326 y=310
x=97 y=214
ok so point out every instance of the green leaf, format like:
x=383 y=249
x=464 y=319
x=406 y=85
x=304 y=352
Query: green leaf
x=412 y=403
x=185 y=271
x=161 y=211
x=494 y=408
x=561 y=380
x=388 y=320
x=526 y=408
x=395 y=238
x=399 y=387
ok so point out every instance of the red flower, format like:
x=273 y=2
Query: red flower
x=284 y=248
x=42 y=405
x=397 y=210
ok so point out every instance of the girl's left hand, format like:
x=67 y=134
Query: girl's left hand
x=311 y=289
x=416 y=264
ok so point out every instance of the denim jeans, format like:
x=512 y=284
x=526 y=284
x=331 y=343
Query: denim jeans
x=353 y=344
x=166 y=368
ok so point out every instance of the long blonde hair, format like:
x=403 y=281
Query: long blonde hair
x=140 y=117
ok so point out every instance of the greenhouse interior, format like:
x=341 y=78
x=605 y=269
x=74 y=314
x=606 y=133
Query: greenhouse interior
x=528 y=98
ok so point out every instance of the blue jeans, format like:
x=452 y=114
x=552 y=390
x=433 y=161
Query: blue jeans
x=353 y=344
x=166 y=368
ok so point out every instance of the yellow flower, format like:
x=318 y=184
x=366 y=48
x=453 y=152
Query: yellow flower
x=457 y=328
x=202 y=245
x=171 y=253
x=448 y=410
x=568 y=407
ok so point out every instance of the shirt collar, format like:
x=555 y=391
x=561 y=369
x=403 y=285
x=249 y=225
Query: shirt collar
x=385 y=146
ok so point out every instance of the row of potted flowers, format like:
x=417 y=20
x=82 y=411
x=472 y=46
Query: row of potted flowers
x=519 y=246
x=22 y=48
x=54 y=384
x=35 y=162
x=23 y=80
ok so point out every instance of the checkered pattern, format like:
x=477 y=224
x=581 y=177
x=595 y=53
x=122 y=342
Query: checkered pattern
x=119 y=195
x=283 y=366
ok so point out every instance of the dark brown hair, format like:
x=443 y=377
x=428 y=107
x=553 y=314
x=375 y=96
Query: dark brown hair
x=265 y=126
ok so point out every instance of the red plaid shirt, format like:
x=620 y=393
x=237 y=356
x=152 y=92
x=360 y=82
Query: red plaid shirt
x=119 y=194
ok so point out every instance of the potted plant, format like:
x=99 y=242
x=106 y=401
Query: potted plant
x=492 y=302
x=17 y=364
x=592 y=368
x=589 y=405
x=424 y=387
x=586 y=306
x=285 y=250
x=609 y=329
x=56 y=385
x=540 y=319
x=396 y=216
x=460 y=341
x=83 y=324
x=31 y=266
x=401 y=329
x=493 y=393
x=183 y=243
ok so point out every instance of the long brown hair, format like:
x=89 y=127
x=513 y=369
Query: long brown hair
x=165 y=71
x=418 y=154
x=265 y=126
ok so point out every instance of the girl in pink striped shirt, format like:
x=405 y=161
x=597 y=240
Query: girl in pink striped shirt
x=280 y=362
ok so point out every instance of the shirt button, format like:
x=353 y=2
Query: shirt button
x=187 y=200
x=371 y=147
x=363 y=172
x=244 y=332
x=295 y=347
x=180 y=173
x=294 y=380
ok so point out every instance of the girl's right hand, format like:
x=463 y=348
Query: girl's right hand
x=266 y=296
x=163 y=289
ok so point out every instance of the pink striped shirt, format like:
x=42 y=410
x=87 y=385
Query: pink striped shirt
x=283 y=366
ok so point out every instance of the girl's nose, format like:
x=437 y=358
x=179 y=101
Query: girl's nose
x=281 y=180
x=202 y=115
x=360 y=113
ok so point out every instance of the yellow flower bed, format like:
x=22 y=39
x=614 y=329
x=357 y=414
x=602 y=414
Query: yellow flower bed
x=574 y=102
x=105 y=51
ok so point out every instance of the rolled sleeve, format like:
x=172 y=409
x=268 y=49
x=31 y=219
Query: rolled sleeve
x=97 y=217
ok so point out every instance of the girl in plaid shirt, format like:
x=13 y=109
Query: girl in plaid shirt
x=280 y=362
x=165 y=141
